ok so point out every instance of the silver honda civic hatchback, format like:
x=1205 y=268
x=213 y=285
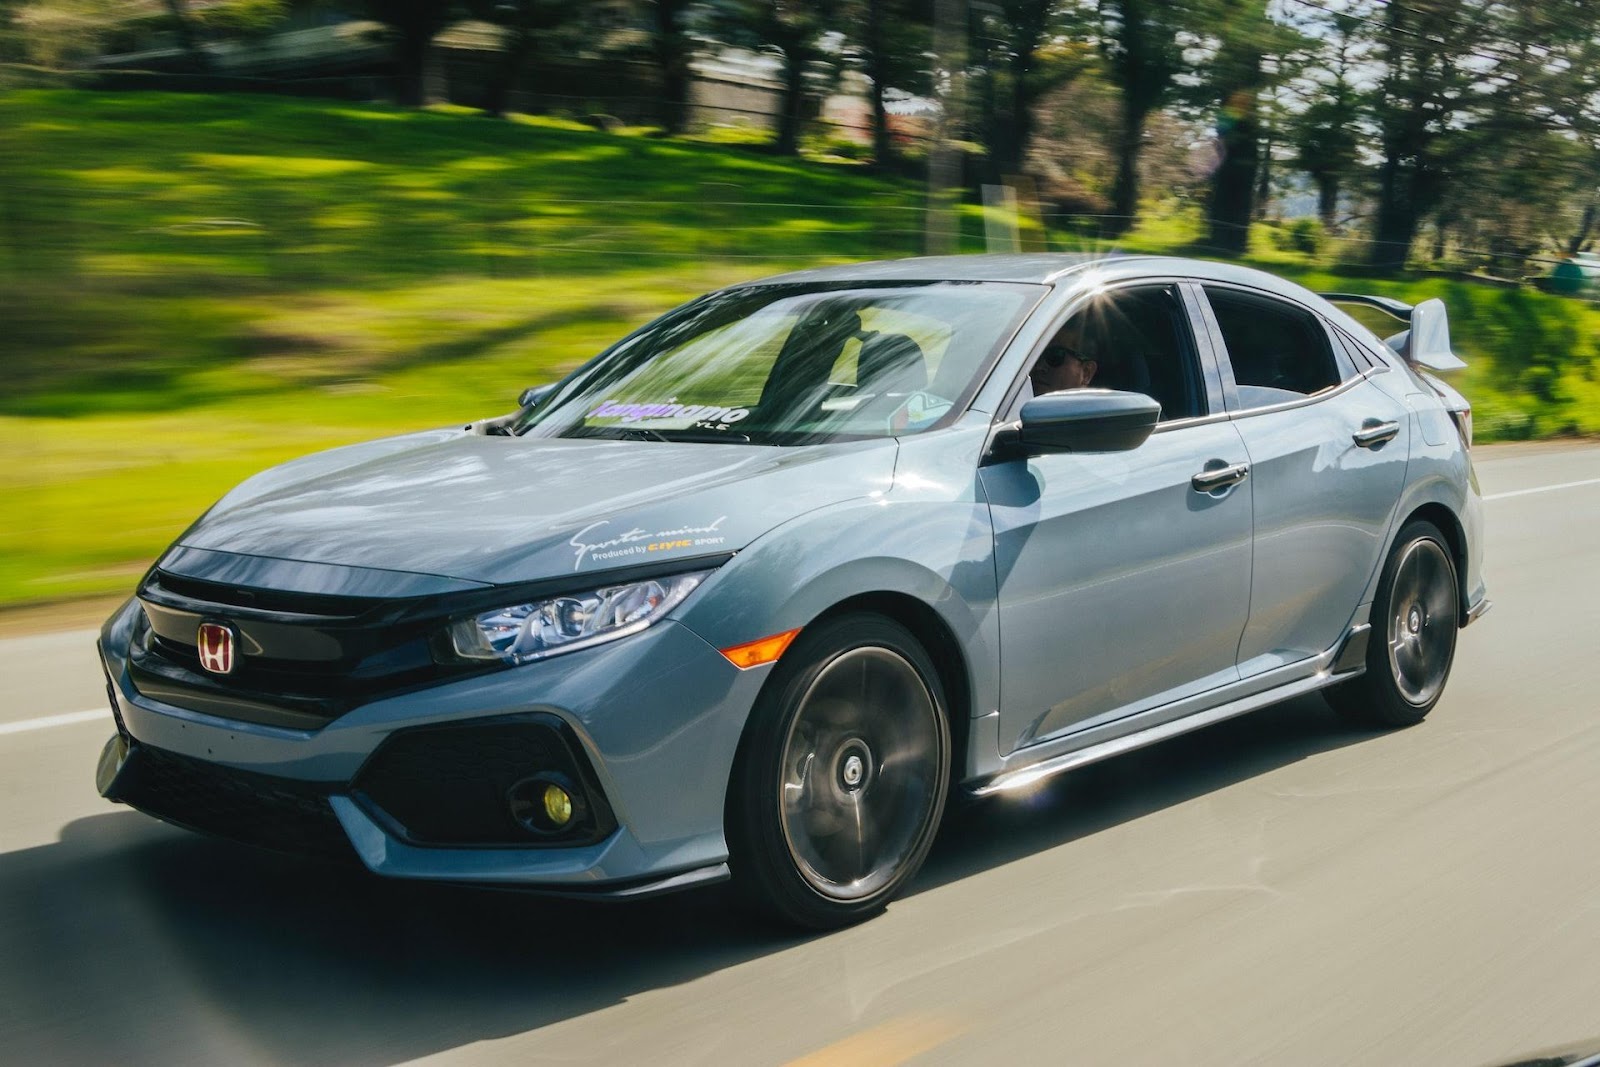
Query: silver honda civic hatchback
x=753 y=592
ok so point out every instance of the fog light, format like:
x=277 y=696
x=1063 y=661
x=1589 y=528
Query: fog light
x=547 y=804
x=557 y=806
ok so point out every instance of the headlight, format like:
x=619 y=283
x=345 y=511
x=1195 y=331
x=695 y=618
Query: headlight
x=523 y=633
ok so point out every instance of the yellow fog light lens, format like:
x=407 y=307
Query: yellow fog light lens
x=557 y=806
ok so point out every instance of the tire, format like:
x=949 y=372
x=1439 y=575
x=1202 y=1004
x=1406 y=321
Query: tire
x=841 y=776
x=1415 y=619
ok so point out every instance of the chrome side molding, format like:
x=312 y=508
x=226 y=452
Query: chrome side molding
x=1347 y=661
x=1023 y=777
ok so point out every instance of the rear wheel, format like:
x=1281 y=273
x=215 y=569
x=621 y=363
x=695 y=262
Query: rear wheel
x=842 y=774
x=1413 y=641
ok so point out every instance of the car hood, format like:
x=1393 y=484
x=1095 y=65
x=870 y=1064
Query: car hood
x=508 y=509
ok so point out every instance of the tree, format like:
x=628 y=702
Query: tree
x=1324 y=134
x=1421 y=107
x=1024 y=53
x=1250 y=54
x=1487 y=114
x=13 y=47
x=1143 y=57
x=671 y=48
x=793 y=31
x=188 y=36
x=1579 y=218
x=1545 y=106
x=524 y=23
x=893 y=48
x=414 y=24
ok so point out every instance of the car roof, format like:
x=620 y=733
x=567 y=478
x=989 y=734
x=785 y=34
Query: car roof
x=1052 y=268
x=1037 y=268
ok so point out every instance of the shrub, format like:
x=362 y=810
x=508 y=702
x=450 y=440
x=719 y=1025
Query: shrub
x=1300 y=235
x=244 y=18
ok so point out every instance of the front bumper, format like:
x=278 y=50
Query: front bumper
x=655 y=719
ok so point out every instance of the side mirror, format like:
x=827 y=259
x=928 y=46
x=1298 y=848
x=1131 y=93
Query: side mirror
x=532 y=395
x=1086 y=420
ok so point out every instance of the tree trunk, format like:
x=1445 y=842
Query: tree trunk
x=1392 y=239
x=877 y=72
x=1263 y=194
x=411 y=56
x=507 y=72
x=1328 y=200
x=1233 y=185
x=1396 y=225
x=672 y=57
x=1018 y=128
x=1591 y=215
x=1002 y=155
x=791 y=107
x=188 y=40
x=1125 y=190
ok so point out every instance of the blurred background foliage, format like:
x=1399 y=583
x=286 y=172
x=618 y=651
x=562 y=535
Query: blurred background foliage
x=234 y=231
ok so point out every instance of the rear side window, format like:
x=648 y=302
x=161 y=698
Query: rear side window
x=1360 y=356
x=1278 y=352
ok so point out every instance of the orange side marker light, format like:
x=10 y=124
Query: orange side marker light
x=755 y=653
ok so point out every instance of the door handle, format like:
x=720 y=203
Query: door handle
x=1209 y=481
x=1374 y=433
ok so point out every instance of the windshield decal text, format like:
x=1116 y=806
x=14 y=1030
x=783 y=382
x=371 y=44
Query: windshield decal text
x=628 y=411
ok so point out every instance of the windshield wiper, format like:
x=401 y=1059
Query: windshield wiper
x=708 y=436
x=613 y=433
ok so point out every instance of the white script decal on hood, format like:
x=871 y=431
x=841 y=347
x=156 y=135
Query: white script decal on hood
x=637 y=542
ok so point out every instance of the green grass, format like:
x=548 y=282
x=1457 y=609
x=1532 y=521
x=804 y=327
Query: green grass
x=196 y=287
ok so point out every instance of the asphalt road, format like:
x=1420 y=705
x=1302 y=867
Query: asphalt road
x=1276 y=889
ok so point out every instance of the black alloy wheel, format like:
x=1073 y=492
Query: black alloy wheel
x=842 y=774
x=1415 y=619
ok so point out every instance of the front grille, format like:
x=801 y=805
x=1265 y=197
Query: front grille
x=304 y=659
x=258 y=809
x=448 y=784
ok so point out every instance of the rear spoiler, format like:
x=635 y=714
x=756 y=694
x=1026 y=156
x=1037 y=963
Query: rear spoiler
x=1426 y=343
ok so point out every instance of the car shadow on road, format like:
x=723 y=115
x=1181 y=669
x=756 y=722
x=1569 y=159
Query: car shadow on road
x=130 y=941
x=979 y=836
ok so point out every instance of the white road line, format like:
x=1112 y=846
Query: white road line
x=70 y=718
x=1542 y=489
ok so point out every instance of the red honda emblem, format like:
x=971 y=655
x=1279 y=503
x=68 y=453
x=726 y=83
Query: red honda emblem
x=215 y=645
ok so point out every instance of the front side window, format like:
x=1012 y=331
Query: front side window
x=1135 y=339
x=793 y=364
x=1278 y=352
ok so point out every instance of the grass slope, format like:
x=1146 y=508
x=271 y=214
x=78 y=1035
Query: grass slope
x=194 y=287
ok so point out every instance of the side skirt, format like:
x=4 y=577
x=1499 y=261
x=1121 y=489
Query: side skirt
x=1343 y=662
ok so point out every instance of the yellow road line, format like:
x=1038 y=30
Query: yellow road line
x=886 y=1044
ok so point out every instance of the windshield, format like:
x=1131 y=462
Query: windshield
x=791 y=364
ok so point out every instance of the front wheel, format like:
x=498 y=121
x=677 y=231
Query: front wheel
x=1415 y=617
x=841 y=778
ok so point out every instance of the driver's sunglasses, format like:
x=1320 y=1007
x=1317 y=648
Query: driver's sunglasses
x=1056 y=355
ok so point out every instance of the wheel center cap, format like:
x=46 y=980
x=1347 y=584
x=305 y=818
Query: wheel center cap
x=1414 y=620
x=854 y=770
x=853 y=766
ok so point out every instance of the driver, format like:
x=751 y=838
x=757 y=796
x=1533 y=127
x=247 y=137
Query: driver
x=1066 y=363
